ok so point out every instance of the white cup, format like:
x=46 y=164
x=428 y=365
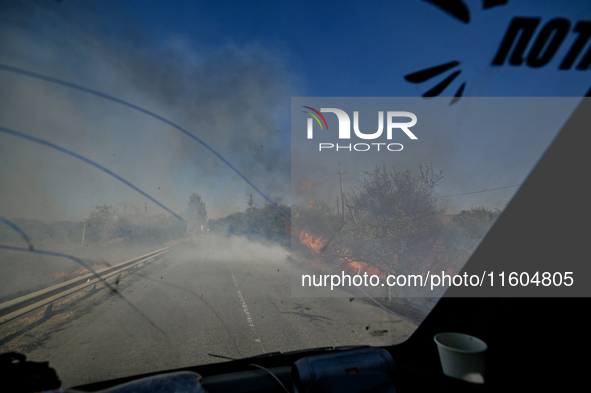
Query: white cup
x=462 y=356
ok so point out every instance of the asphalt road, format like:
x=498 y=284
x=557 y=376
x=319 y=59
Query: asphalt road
x=216 y=295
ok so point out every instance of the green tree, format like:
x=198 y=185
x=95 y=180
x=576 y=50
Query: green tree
x=196 y=213
x=102 y=224
x=472 y=225
x=268 y=222
x=387 y=193
x=258 y=223
x=235 y=224
x=398 y=222
x=477 y=220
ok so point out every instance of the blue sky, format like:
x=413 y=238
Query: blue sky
x=227 y=72
x=364 y=48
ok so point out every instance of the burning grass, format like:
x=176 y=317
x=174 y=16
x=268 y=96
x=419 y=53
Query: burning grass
x=70 y=274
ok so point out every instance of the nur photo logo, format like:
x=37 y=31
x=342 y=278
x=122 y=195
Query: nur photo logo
x=392 y=120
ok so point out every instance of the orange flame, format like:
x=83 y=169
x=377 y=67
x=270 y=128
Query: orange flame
x=312 y=188
x=314 y=243
x=307 y=186
x=345 y=262
x=79 y=272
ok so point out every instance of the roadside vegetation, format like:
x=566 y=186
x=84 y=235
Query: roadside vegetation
x=260 y=224
x=394 y=223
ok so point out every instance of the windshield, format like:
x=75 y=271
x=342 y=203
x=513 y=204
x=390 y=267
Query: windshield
x=169 y=196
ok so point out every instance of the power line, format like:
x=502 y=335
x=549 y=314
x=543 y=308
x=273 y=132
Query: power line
x=476 y=192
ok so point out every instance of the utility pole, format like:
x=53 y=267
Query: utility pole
x=83 y=232
x=351 y=211
x=338 y=211
x=145 y=208
x=250 y=202
x=340 y=173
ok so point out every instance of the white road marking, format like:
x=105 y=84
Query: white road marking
x=245 y=309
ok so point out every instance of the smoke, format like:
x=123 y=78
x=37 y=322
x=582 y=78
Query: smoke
x=220 y=248
x=235 y=98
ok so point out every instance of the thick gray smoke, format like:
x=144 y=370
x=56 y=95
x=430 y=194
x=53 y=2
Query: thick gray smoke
x=235 y=98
